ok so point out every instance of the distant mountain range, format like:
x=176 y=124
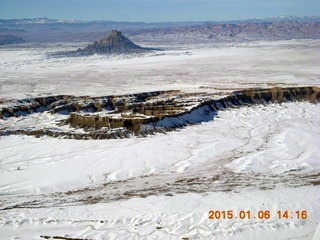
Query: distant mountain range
x=273 y=28
x=230 y=32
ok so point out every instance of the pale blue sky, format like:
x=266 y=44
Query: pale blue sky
x=156 y=10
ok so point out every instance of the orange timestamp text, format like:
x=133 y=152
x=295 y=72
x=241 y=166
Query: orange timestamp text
x=260 y=214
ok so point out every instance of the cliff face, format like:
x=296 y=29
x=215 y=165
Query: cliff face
x=143 y=113
x=172 y=116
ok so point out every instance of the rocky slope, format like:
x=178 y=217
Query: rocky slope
x=115 y=43
x=137 y=114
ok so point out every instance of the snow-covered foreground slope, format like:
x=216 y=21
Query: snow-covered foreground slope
x=183 y=216
x=163 y=186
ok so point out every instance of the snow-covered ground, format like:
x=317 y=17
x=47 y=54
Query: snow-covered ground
x=258 y=158
x=245 y=139
x=28 y=71
x=253 y=158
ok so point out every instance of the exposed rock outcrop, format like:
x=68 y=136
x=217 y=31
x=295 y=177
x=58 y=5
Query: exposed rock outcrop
x=144 y=113
x=164 y=116
x=115 y=43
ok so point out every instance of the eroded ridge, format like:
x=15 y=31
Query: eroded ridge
x=127 y=115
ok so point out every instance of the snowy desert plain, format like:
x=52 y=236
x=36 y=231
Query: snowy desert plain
x=252 y=159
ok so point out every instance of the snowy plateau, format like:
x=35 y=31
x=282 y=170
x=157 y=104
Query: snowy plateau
x=256 y=157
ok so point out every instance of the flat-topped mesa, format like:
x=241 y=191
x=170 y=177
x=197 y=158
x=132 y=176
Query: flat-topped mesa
x=115 y=43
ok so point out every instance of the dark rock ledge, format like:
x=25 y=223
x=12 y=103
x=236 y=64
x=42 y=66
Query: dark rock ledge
x=144 y=113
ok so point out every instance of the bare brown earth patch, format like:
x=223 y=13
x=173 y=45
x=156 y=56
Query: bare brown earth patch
x=163 y=185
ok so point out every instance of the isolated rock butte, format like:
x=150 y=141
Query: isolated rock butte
x=115 y=43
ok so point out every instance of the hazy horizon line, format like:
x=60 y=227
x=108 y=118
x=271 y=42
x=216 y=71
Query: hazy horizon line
x=151 y=22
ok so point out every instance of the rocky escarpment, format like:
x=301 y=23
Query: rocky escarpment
x=138 y=114
x=66 y=104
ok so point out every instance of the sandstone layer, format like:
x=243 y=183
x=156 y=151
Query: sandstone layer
x=139 y=114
